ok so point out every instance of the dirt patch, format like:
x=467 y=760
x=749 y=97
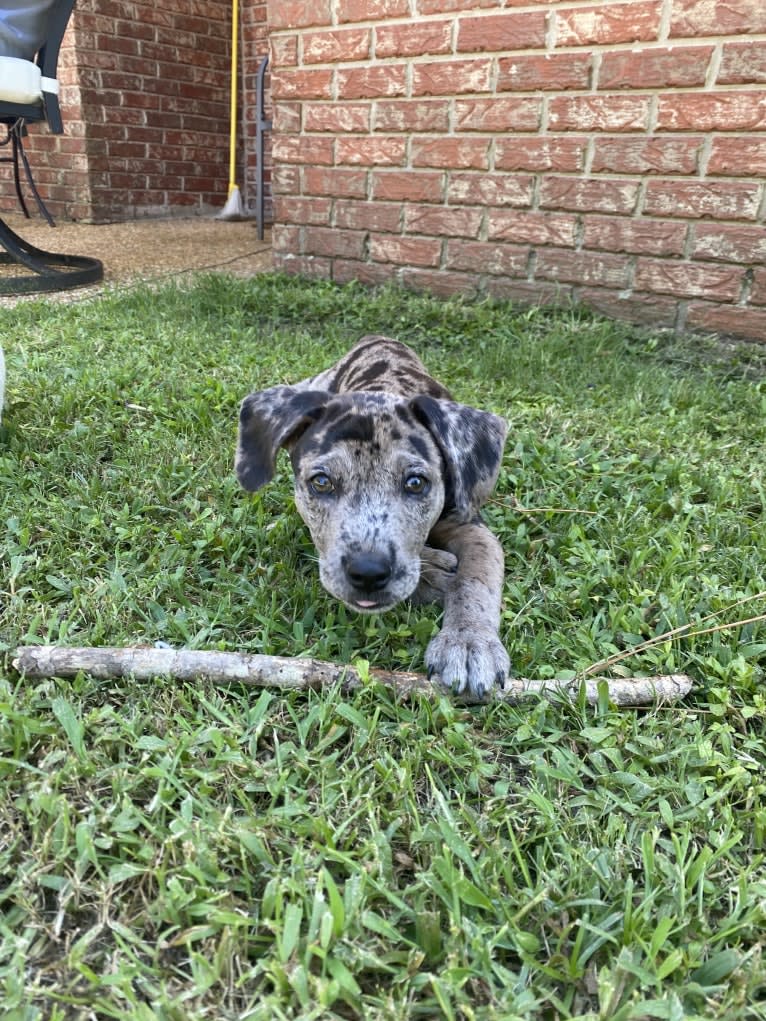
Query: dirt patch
x=150 y=250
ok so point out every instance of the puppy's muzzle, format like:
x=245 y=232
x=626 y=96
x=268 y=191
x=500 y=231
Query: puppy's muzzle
x=369 y=572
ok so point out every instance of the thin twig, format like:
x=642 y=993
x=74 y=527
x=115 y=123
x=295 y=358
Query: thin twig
x=147 y=662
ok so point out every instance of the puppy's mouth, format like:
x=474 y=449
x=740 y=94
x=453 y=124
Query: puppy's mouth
x=371 y=605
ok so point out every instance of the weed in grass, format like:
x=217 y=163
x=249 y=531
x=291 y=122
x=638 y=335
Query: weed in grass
x=181 y=853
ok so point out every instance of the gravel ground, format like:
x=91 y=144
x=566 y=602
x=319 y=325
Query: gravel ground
x=146 y=250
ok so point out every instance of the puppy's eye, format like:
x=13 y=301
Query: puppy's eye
x=321 y=484
x=416 y=485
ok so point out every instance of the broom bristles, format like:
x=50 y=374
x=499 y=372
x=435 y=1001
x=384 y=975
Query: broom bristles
x=233 y=209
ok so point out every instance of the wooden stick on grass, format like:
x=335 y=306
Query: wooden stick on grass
x=146 y=662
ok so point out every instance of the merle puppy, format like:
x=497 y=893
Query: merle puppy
x=390 y=474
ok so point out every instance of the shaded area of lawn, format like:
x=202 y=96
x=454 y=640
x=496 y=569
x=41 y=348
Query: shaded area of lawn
x=177 y=852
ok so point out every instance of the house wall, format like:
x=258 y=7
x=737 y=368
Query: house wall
x=145 y=102
x=610 y=152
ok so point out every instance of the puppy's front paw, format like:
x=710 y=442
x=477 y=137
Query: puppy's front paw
x=471 y=660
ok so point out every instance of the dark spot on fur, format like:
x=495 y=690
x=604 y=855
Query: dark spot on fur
x=403 y=414
x=351 y=427
x=419 y=444
x=367 y=374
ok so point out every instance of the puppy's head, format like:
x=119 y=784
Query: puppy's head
x=373 y=473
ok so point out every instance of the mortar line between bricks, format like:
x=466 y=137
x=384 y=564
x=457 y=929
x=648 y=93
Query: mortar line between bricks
x=714 y=66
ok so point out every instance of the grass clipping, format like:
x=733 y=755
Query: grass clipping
x=146 y=662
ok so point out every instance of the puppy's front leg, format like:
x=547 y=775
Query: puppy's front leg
x=467 y=654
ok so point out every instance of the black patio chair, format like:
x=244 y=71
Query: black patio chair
x=31 y=32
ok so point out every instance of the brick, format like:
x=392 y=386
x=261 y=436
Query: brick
x=716 y=17
x=329 y=47
x=371 y=151
x=497 y=114
x=329 y=241
x=450 y=221
x=370 y=10
x=671 y=67
x=413 y=39
x=599 y=113
x=412 y=186
x=532 y=228
x=645 y=309
x=451 y=77
x=546 y=72
x=729 y=243
x=441 y=282
x=536 y=293
x=410 y=115
x=287 y=117
x=561 y=153
x=284 y=50
x=304 y=265
x=338 y=118
x=314 y=211
x=499 y=260
x=405 y=251
x=512 y=30
x=727 y=111
x=286 y=180
x=639 y=236
x=372 y=82
x=588 y=195
x=655 y=154
x=286 y=237
x=742 y=64
x=300 y=84
x=584 y=268
x=370 y=274
x=446 y=152
x=490 y=189
x=299 y=13
x=311 y=149
x=609 y=23
x=720 y=200
x=730 y=320
x=448 y=6
x=383 y=217
x=338 y=181
x=758 y=289
x=738 y=156
x=687 y=279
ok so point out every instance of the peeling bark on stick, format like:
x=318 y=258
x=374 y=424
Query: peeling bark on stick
x=146 y=662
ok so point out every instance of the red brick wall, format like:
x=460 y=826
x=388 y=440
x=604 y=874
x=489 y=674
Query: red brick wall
x=614 y=152
x=146 y=111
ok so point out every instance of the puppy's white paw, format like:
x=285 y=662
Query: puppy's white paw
x=471 y=660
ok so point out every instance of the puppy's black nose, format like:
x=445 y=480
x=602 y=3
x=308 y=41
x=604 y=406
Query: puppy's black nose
x=369 y=571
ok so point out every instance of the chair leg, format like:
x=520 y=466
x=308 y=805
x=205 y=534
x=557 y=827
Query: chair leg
x=17 y=177
x=18 y=151
x=45 y=271
x=10 y=140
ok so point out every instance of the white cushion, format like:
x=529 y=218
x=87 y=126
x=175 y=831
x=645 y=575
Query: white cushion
x=21 y=81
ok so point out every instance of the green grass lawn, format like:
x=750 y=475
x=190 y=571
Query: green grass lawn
x=185 y=852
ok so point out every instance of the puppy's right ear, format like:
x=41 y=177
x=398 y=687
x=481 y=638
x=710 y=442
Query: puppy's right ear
x=269 y=420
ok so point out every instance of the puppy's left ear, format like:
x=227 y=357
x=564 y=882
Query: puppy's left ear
x=471 y=443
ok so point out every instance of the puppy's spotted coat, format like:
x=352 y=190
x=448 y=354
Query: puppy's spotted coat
x=390 y=474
